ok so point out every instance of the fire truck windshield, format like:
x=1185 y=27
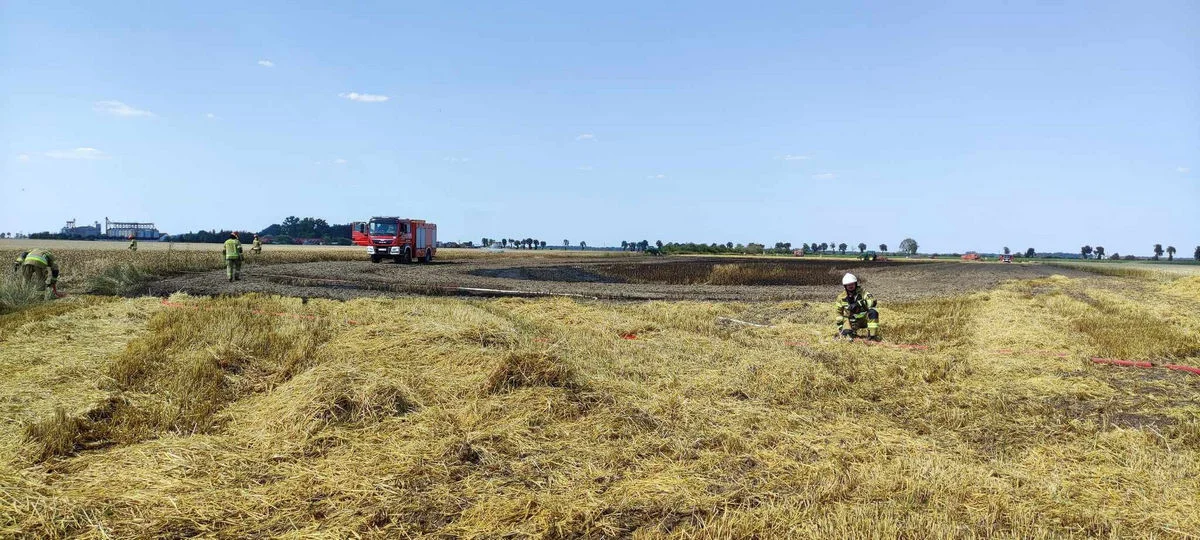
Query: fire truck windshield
x=383 y=229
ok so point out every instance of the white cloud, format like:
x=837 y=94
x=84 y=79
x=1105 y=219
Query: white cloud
x=656 y=177
x=210 y=116
x=78 y=153
x=116 y=108
x=266 y=63
x=584 y=167
x=339 y=161
x=364 y=98
x=825 y=176
x=1183 y=170
x=791 y=157
x=457 y=159
x=23 y=157
x=585 y=137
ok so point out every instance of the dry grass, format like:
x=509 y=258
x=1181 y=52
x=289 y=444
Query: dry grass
x=486 y=418
x=16 y=295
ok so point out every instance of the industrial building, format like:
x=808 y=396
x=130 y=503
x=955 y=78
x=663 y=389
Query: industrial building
x=112 y=229
x=85 y=231
x=122 y=229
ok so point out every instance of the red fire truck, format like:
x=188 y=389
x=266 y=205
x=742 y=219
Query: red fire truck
x=358 y=233
x=401 y=239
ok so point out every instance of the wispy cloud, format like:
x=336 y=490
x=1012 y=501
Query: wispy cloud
x=116 y=108
x=1183 y=170
x=586 y=137
x=457 y=159
x=22 y=157
x=364 y=98
x=78 y=153
x=210 y=116
x=656 y=177
x=266 y=63
x=584 y=167
x=339 y=161
x=791 y=157
x=825 y=176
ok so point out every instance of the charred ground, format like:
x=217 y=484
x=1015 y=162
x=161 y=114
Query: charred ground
x=677 y=278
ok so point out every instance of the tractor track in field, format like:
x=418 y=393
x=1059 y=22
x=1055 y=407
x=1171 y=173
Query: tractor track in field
x=603 y=278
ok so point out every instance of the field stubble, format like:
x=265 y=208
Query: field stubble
x=261 y=416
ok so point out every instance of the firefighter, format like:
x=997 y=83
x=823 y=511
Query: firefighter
x=132 y=243
x=34 y=265
x=256 y=247
x=855 y=310
x=233 y=257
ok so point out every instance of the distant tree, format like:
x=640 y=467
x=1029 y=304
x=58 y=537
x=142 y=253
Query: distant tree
x=566 y=243
x=1030 y=253
x=659 y=244
x=582 y=244
x=909 y=246
x=1085 y=251
x=543 y=244
x=624 y=245
x=1115 y=257
x=862 y=248
x=729 y=245
x=1170 y=253
x=1099 y=252
x=1197 y=255
x=1158 y=251
x=883 y=248
x=1006 y=251
x=842 y=248
x=804 y=248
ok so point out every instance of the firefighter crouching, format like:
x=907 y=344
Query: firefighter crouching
x=856 y=310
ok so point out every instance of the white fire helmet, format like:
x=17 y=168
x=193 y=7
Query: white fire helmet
x=848 y=279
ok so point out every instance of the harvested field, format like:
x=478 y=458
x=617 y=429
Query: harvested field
x=264 y=416
x=645 y=278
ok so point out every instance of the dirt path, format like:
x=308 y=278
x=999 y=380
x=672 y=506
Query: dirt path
x=587 y=278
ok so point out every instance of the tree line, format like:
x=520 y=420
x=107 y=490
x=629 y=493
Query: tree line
x=1088 y=252
x=515 y=243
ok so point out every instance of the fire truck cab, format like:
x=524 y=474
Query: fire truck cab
x=401 y=239
x=358 y=233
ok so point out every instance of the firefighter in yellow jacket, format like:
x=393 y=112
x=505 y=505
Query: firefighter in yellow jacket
x=34 y=266
x=256 y=246
x=132 y=243
x=233 y=257
x=856 y=310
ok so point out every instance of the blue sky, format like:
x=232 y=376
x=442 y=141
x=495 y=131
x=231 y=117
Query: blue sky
x=965 y=125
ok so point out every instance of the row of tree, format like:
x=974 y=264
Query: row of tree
x=525 y=243
x=1088 y=251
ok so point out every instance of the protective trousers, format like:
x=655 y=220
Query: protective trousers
x=868 y=319
x=233 y=268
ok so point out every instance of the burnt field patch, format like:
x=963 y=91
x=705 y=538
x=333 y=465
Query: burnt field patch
x=708 y=271
x=634 y=278
x=735 y=271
